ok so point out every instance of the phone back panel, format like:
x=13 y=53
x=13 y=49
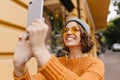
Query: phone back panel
x=35 y=10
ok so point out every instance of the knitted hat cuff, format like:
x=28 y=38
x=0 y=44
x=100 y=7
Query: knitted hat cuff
x=84 y=25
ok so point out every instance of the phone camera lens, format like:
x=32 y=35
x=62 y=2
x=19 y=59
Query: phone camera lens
x=30 y=2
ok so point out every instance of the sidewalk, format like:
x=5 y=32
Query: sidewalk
x=112 y=65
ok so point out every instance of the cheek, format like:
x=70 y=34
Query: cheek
x=78 y=36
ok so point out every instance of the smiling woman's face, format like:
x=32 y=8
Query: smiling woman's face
x=71 y=35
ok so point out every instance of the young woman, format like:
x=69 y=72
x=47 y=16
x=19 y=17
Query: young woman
x=76 y=66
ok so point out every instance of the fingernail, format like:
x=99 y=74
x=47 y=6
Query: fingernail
x=26 y=36
x=20 y=38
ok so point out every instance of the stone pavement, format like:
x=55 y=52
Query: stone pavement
x=112 y=64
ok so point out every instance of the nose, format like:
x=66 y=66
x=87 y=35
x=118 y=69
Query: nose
x=69 y=32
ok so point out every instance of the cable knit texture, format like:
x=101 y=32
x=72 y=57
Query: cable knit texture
x=84 y=68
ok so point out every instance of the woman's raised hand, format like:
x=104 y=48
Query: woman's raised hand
x=37 y=32
x=22 y=55
x=34 y=45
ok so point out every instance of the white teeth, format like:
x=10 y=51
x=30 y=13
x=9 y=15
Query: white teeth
x=70 y=38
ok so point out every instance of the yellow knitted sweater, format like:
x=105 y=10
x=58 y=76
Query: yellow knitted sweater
x=84 y=68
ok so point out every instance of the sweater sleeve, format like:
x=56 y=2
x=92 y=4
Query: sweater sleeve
x=27 y=76
x=54 y=70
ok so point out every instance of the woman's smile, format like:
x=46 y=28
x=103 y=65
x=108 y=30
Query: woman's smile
x=70 y=38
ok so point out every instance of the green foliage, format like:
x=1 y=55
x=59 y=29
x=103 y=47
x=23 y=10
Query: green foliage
x=56 y=40
x=117 y=3
x=57 y=25
x=112 y=33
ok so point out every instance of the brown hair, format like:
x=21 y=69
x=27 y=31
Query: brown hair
x=86 y=41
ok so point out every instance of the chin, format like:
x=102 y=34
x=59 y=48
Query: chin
x=71 y=45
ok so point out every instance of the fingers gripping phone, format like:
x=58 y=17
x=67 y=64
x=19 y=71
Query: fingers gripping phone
x=35 y=10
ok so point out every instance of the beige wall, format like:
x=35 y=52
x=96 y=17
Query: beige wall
x=12 y=23
x=13 y=18
x=6 y=67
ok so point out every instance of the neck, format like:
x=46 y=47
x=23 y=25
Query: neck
x=75 y=52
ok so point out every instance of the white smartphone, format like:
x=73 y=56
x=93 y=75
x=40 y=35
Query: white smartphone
x=35 y=10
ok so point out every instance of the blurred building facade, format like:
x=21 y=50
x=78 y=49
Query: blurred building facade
x=13 y=18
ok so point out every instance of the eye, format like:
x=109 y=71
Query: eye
x=65 y=30
x=75 y=29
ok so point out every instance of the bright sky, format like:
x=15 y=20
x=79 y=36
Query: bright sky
x=112 y=13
